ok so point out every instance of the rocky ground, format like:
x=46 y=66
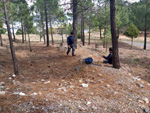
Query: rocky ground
x=50 y=81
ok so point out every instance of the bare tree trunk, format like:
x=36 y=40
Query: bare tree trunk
x=104 y=41
x=131 y=42
x=1 y=40
x=75 y=21
x=51 y=31
x=100 y=32
x=22 y=32
x=145 y=39
x=11 y=41
x=118 y=33
x=89 y=33
x=43 y=31
x=25 y=37
x=29 y=43
x=13 y=31
x=82 y=29
x=47 y=33
x=62 y=36
x=116 y=62
x=40 y=37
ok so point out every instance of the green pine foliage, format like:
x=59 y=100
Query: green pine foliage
x=132 y=31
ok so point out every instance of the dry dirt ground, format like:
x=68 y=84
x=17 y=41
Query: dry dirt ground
x=52 y=82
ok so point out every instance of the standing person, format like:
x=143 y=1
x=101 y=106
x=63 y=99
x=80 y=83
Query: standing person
x=109 y=57
x=70 y=42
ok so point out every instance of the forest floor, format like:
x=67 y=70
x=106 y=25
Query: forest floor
x=51 y=81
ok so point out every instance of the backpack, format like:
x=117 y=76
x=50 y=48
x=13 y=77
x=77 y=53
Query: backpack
x=88 y=60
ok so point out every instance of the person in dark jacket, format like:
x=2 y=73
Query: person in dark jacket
x=70 y=42
x=109 y=57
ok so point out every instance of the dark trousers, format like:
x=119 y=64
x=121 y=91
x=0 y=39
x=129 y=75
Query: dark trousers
x=71 y=47
x=106 y=62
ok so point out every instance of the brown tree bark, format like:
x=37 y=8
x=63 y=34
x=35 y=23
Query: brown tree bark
x=43 y=31
x=145 y=38
x=11 y=41
x=82 y=29
x=1 y=40
x=46 y=20
x=51 y=30
x=100 y=30
x=75 y=21
x=116 y=62
x=22 y=32
x=62 y=31
x=25 y=37
x=13 y=32
x=29 y=43
x=89 y=33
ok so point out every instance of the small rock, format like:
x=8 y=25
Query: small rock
x=34 y=94
x=2 y=83
x=145 y=110
x=94 y=107
x=71 y=86
x=99 y=75
x=85 y=85
x=115 y=93
x=92 y=82
x=146 y=100
x=15 y=93
x=140 y=101
x=80 y=81
x=2 y=92
x=92 y=93
x=108 y=85
x=22 y=94
x=10 y=78
x=100 y=81
x=130 y=74
x=140 y=85
x=47 y=82
x=88 y=103
x=42 y=80
x=13 y=75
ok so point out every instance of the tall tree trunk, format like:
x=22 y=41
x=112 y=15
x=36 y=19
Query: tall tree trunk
x=51 y=31
x=145 y=38
x=1 y=40
x=104 y=41
x=13 y=31
x=116 y=62
x=25 y=37
x=22 y=32
x=89 y=32
x=46 y=20
x=82 y=29
x=131 y=42
x=75 y=21
x=118 y=33
x=11 y=41
x=62 y=36
x=29 y=43
x=100 y=30
x=43 y=31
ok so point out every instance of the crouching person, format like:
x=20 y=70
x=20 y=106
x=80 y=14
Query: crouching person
x=108 y=59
